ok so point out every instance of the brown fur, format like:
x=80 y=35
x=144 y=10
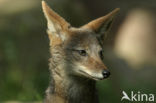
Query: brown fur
x=73 y=75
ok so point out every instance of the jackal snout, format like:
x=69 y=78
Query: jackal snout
x=95 y=69
x=104 y=71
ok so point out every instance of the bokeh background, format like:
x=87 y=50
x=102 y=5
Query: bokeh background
x=130 y=47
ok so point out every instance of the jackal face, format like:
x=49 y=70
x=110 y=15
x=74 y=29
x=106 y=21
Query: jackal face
x=81 y=48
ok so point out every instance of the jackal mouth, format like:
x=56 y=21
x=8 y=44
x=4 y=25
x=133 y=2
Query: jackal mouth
x=90 y=76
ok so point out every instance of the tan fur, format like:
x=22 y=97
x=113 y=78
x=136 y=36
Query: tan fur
x=73 y=74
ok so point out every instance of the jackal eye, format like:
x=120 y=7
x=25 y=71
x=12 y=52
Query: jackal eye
x=82 y=52
x=101 y=54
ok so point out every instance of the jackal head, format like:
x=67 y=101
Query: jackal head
x=80 y=49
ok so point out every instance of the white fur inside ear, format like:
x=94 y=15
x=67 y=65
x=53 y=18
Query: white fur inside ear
x=63 y=36
x=52 y=31
x=54 y=27
x=51 y=27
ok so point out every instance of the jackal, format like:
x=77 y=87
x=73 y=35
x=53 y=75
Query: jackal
x=76 y=58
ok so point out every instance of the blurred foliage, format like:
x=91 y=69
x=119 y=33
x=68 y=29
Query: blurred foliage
x=23 y=56
x=24 y=52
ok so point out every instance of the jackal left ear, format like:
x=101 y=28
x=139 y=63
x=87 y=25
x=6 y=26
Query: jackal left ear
x=56 y=24
x=102 y=24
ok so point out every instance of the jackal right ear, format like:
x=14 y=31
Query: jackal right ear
x=56 y=24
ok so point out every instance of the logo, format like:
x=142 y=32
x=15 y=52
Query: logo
x=138 y=96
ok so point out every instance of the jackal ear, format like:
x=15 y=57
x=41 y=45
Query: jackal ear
x=56 y=24
x=102 y=25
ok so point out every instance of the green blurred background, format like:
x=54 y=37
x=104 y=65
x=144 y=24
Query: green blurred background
x=24 y=48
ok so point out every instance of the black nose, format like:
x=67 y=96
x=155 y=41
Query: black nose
x=105 y=73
